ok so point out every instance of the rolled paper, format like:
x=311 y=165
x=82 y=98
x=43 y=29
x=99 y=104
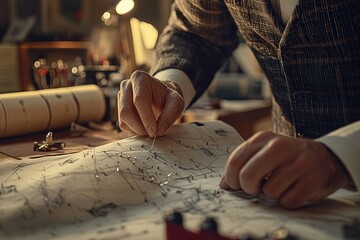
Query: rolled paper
x=2 y=119
x=90 y=101
x=50 y=109
x=25 y=112
x=62 y=106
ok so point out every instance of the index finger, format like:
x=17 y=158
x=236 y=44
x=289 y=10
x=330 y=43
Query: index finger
x=128 y=115
x=143 y=100
x=240 y=156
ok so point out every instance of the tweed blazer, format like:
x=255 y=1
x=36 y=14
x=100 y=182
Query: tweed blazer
x=312 y=62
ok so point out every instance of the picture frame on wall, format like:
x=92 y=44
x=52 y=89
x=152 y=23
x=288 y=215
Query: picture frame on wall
x=24 y=9
x=19 y=29
x=55 y=16
x=69 y=15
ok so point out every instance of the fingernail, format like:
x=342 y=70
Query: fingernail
x=223 y=184
x=162 y=130
x=151 y=132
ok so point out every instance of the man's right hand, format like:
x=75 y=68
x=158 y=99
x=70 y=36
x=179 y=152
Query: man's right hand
x=148 y=106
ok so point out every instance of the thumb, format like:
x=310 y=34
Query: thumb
x=173 y=108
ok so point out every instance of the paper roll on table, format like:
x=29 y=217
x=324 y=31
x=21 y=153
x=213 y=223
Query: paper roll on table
x=42 y=110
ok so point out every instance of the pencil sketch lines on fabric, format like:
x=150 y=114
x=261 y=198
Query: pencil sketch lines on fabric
x=118 y=182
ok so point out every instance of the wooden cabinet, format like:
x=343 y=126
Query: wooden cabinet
x=31 y=51
x=9 y=68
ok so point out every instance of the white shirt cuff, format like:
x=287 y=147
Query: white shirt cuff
x=345 y=143
x=182 y=80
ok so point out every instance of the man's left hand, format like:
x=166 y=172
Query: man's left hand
x=292 y=171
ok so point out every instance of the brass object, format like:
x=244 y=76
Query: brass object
x=48 y=144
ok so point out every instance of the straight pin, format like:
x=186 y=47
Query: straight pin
x=151 y=148
x=152 y=145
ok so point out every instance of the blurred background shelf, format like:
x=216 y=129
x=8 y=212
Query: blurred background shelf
x=29 y=52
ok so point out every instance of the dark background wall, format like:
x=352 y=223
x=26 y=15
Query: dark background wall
x=49 y=25
x=4 y=16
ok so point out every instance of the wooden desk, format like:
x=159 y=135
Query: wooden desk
x=246 y=116
x=22 y=146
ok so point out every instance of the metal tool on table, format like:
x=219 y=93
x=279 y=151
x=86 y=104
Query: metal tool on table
x=48 y=144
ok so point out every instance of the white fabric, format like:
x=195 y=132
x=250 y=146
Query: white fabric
x=284 y=8
x=345 y=143
x=182 y=80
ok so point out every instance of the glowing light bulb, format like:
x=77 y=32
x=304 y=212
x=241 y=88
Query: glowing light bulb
x=106 y=16
x=124 y=6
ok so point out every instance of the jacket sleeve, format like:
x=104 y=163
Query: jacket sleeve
x=200 y=36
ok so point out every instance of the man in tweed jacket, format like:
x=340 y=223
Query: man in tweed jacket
x=309 y=51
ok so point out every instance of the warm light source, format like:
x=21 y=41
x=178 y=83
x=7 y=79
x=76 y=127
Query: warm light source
x=106 y=16
x=124 y=6
x=110 y=18
x=144 y=37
